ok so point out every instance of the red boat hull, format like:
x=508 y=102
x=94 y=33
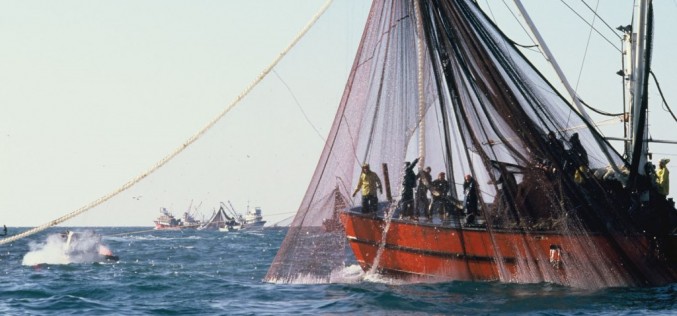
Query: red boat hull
x=444 y=252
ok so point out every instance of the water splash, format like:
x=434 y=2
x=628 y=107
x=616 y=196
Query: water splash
x=350 y=275
x=388 y=216
x=84 y=247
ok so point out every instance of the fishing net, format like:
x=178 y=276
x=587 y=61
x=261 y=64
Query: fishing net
x=455 y=93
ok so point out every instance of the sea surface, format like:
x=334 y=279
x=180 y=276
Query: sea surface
x=212 y=273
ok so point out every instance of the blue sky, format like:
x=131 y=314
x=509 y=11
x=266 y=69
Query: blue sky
x=93 y=93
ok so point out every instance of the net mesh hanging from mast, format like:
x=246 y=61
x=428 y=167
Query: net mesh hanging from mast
x=488 y=113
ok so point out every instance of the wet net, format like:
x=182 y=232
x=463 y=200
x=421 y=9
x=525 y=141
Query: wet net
x=441 y=83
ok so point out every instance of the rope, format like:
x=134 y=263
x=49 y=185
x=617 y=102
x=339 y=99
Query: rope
x=182 y=147
x=667 y=107
x=598 y=111
x=298 y=104
x=421 y=95
x=591 y=26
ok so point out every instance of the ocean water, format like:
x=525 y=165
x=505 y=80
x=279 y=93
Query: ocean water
x=213 y=273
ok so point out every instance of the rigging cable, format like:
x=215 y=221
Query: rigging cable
x=599 y=111
x=600 y=18
x=598 y=32
x=585 y=52
x=587 y=46
x=183 y=146
x=513 y=14
x=299 y=106
x=591 y=29
x=524 y=29
x=662 y=96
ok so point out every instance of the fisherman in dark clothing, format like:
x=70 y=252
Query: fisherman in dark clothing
x=506 y=193
x=4 y=230
x=556 y=148
x=440 y=189
x=470 y=199
x=425 y=180
x=577 y=159
x=408 y=185
x=577 y=152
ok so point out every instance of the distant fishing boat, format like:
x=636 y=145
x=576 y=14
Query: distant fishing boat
x=231 y=227
x=221 y=221
x=253 y=219
x=167 y=221
x=333 y=224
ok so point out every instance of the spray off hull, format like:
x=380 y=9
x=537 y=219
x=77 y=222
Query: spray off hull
x=417 y=250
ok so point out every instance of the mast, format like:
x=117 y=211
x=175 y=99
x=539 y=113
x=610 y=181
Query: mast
x=627 y=73
x=574 y=98
x=635 y=89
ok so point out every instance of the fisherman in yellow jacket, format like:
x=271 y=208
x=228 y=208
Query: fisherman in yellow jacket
x=369 y=182
x=663 y=177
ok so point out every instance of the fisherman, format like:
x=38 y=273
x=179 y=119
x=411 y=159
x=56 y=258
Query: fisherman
x=369 y=182
x=506 y=194
x=470 y=198
x=577 y=159
x=408 y=185
x=424 y=182
x=508 y=185
x=556 y=148
x=439 y=189
x=577 y=153
x=4 y=230
x=663 y=177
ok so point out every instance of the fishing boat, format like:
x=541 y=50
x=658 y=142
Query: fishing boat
x=333 y=224
x=553 y=200
x=221 y=221
x=253 y=219
x=167 y=221
x=231 y=227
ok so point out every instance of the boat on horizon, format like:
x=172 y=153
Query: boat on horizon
x=439 y=82
x=253 y=219
x=227 y=219
x=167 y=221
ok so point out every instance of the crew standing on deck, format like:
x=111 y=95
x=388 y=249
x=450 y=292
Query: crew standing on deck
x=408 y=185
x=369 y=182
x=470 y=199
x=556 y=147
x=663 y=177
x=440 y=189
x=577 y=157
x=425 y=180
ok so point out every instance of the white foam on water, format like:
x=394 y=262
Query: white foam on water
x=55 y=251
x=349 y=274
x=49 y=252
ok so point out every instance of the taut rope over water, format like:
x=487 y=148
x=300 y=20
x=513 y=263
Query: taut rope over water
x=183 y=146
